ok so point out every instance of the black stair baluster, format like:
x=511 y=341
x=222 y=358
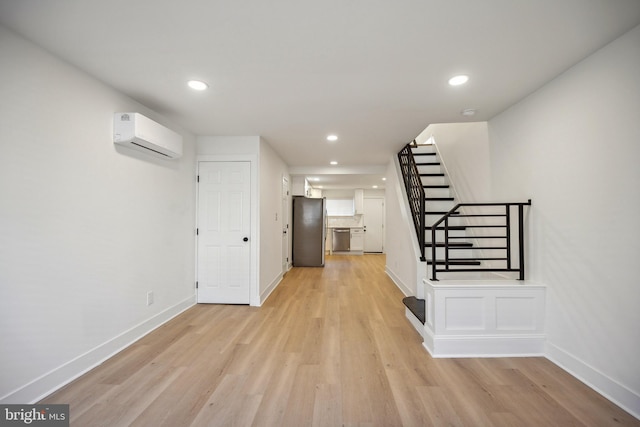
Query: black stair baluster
x=521 y=238
x=508 y=223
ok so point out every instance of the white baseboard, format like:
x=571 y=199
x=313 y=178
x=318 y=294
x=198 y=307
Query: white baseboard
x=611 y=389
x=394 y=277
x=272 y=286
x=417 y=324
x=61 y=376
x=483 y=345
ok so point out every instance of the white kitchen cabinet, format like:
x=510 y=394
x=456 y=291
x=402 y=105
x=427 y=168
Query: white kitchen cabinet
x=357 y=240
x=300 y=186
x=358 y=201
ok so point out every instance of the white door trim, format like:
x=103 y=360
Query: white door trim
x=286 y=204
x=254 y=297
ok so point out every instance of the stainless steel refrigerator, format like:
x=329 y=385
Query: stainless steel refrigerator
x=309 y=219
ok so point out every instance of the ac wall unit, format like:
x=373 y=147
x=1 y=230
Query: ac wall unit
x=133 y=130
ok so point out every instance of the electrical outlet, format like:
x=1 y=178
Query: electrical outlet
x=149 y=297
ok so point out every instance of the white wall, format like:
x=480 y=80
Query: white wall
x=574 y=148
x=228 y=145
x=401 y=247
x=246 y=149
x=86 y=230
x=272 y=168
x=374 y=193
x=464 y=151
x=267 y=169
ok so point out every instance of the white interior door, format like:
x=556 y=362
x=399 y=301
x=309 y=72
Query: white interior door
x=224 y=246
x=373 y=225
x=285 y=224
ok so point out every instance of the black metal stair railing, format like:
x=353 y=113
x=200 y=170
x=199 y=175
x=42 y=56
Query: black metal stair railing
x=494 y=227
x=415 y=194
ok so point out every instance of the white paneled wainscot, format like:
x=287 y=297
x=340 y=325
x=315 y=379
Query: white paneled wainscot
x=484 y=318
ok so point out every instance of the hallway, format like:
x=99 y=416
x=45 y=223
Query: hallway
x=331 y=346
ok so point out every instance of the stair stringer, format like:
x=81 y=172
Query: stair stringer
x=407 y=219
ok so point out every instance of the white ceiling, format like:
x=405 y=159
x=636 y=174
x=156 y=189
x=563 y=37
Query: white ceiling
x=293 y=71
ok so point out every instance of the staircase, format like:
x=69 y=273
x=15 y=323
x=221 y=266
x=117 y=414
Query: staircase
x=439 y=200
x=431 y=193
x=470 y=241
x=459 y=237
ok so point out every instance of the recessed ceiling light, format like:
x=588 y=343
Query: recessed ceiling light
x=315 y=179
x=333 y=162
x=384 y=179
x=332 y=138
x=375 y=186
x=319 y=186
x=197 y=85
x=468 y=112
x=458 y=80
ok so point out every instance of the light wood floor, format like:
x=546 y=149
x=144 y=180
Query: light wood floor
x=330 y=347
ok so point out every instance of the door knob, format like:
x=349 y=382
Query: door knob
x=246 y=239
